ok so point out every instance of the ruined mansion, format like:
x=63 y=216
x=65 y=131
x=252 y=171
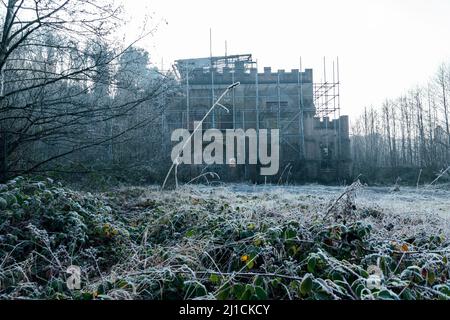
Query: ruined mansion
x=314 y=137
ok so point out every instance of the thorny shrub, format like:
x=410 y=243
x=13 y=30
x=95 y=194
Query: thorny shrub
x=205 y=243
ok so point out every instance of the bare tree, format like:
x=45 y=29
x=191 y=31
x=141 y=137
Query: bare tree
x=442 y=79
x=58 y=63
x=422 y=119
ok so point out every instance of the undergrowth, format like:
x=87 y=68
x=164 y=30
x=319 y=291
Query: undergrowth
x=212 y=243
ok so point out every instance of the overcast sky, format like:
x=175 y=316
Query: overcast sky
x=384 y=46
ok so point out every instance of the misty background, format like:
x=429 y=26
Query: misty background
x=384 y=47
x=84 y=85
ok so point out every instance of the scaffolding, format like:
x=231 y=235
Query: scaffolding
x=265 y=100
x=218 y=64
x=327 y=93
x=327 y=103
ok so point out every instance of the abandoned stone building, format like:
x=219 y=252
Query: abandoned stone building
x=314 y=137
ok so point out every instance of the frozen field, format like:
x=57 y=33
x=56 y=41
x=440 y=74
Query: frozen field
x=409 y=200
x=409 y=209
x=215 y=242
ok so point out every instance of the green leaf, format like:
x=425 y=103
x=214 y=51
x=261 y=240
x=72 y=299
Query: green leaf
x=386 y=295
x=306 y=285
x=224 y=294
x=431 y=277
x=358 y=287
x=3 y=204
x=251 y=262
x=214 y=278
x=407 y=294
x=190 y=233
x=248 y=292
x=311 y=264
x=445 y=289
x=195 y=289
x=238 y=290
x=289 y=234
x=260 y=293
x=242 y=292
x=10 y=199
x=412 y=273
x=259 y=282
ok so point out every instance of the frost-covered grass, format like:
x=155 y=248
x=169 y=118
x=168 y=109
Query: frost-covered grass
x=224 y=242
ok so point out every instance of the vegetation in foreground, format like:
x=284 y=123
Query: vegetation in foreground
x=211 y=243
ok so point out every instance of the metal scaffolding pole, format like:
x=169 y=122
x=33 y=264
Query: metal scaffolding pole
x=257 y=106
x=336 y=129
x=336 y=126
x=257 y=98
x=301 y=118
x=279 y=101
x=326 y=118
x=339 y=107
x=212 y=79
x=163 y=125
x=187 y=98
x=233 y=101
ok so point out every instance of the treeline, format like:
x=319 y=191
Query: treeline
x=74 y=96
x=407 y=136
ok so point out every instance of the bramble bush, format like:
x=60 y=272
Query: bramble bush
x=212 y=243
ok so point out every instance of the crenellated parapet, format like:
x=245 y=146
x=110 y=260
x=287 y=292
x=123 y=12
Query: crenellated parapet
x=341 y=123
x=248 y=76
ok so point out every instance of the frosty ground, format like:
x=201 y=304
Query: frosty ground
x=230 y=241
x=409 y=200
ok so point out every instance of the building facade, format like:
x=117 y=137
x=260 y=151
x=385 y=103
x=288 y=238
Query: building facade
x=314 y=143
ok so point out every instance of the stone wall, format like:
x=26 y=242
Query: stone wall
x=270 y=100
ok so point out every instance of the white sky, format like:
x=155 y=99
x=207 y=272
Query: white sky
x=385 y=47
